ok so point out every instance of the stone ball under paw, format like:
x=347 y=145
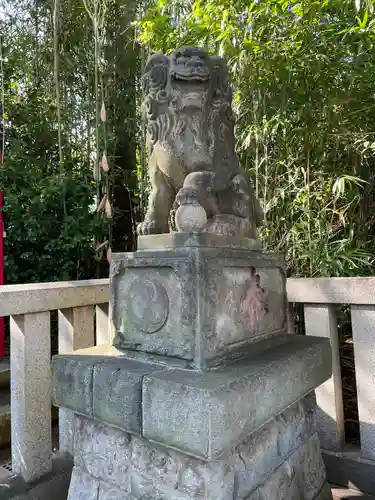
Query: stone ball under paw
x=191 y=218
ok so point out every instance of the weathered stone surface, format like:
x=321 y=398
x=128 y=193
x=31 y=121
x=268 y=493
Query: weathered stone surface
x=83 y=486
x=137 y=467
x=320 y=321
x=111 y=493
x=103 y=452
x=230 y=419
x=117 y=392
x=206 y=413
x=193 y=162
x=189 y=410
x=308 y=463
x=111 y=352
x=197 y=240
x=281 y=461
x=30 y=395
x=72 y=382
x=281 y=485
x=197 y=303
x=363 y=318
x=108 y=388
x=301 y=477
x=40 y=297
x=265 y=450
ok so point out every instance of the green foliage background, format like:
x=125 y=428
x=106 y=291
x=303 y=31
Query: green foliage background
x=303 y=74
x=51 y=178
x=304 y=80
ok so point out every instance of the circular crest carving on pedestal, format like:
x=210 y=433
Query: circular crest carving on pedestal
x=148 y=305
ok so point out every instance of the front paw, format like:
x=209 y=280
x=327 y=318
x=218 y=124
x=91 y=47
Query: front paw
x=222 y=225
x=148 y=227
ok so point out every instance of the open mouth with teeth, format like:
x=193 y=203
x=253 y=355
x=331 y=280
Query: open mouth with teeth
x=191 y=74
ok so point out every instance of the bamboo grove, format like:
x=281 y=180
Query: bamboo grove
x=74 y=177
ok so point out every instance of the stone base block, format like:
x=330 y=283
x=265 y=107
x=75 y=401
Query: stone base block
x=281 y=461
x=198 y=303
x=169 y=241
x=200 y=413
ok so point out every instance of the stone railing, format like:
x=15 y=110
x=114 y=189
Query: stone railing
x=82 y=322
x=320 y=297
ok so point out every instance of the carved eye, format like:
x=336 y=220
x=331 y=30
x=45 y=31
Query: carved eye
x=162 y=96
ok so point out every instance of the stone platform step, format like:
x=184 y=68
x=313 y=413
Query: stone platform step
x=339 y=493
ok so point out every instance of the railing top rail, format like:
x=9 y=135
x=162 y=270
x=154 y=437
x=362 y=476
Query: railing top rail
x=332 y=290
x=37 y=297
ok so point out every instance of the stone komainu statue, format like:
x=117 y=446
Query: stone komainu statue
x=193 y=165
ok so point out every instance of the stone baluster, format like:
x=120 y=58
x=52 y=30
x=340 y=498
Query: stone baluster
x=31 y=394
x=320 y=321
x=102 y=326
x=290 y=318
x=363 y=328
x=76 y=331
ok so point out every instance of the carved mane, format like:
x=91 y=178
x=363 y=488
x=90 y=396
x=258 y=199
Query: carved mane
x=163 y=74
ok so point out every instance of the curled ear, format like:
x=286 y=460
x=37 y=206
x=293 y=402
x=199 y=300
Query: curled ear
x=218 y=62
x=156 y=72
x=219 y=75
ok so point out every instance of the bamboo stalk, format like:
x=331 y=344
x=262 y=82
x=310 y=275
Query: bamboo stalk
x=56 y=67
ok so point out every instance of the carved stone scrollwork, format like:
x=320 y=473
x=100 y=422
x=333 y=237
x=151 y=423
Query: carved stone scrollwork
x=188 y=107
x=147 y=305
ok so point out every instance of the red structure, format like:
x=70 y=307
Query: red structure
x=1 y=272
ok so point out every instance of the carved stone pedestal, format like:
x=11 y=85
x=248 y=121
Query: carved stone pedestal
x=203 y=394
x=281 y=460
x=199 y=298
